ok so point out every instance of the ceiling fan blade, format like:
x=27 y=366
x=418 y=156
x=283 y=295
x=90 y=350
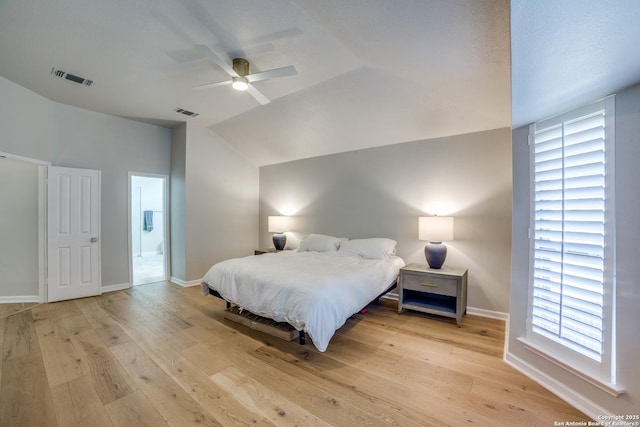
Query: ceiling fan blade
x=263 y=100
x=210 y=85
x=289 y=70
x=221 y=62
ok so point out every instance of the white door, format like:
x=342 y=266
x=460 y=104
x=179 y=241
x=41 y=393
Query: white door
x=73 y=233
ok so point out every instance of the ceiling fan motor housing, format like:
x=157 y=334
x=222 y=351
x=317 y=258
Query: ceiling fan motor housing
x=241 y=66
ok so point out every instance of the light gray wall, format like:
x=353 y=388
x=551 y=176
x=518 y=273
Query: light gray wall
x=35 y=127
x=18 y=228
x=26 y=122
x=381 y=192
x=178 y=201
x=222 y=201
x=587 y=397
x=85 y=139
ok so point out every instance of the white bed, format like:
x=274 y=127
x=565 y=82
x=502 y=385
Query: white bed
x=314 y=291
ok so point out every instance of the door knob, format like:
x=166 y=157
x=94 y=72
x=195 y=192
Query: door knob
x=94 y=239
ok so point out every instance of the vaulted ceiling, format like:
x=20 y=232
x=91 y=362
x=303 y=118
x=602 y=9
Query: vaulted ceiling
x=369 y=72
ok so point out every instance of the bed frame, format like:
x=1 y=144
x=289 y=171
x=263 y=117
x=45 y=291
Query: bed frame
x=301 y=334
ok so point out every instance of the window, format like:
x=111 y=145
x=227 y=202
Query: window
x=572 y=280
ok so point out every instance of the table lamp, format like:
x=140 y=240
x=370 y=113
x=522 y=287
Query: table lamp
x=435 y=229
x=278 y=225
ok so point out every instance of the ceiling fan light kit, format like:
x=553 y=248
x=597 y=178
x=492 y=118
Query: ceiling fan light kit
x=241 y=79
x=241 y=66
x=240 y=83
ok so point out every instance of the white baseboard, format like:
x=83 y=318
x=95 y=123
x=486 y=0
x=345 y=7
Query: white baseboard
x=184 y=284
x=21 y=298
x=117 y=287
x=488 y=313
x=556 y=387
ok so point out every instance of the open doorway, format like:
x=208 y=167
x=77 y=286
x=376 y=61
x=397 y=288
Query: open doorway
x=148 y=227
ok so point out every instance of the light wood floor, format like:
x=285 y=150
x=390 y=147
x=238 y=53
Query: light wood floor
x=162 y=355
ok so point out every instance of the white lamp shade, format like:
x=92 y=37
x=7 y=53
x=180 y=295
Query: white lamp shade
x=435 y=228
x=278 y=224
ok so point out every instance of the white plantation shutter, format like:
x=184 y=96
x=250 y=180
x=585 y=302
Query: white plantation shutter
x=572 y=235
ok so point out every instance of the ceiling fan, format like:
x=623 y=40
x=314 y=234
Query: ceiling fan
x=241 y=79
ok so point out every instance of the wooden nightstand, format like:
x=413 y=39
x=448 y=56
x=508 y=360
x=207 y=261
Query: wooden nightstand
x=442 y=291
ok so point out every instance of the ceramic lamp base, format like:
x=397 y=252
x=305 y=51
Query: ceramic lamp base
x=436 y=253
x=279 y=241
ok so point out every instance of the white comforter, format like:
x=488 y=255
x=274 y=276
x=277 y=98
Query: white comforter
x=313 y=291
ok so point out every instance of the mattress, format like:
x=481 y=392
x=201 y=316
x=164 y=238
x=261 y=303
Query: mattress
x=315 y=292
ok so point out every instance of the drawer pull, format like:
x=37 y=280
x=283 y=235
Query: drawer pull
x=429 y=284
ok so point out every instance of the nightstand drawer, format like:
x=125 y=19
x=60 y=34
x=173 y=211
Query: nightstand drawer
x=430 y=284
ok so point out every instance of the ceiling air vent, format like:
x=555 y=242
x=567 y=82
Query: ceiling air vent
x=71 y=77
x=186 y=112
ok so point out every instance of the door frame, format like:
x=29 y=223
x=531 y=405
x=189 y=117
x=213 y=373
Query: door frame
x=42 y=220
x=165 y=226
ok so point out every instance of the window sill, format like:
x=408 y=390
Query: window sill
x=613 y=389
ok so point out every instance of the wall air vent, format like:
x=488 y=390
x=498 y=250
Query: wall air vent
x=71 y=77
x=186 y=112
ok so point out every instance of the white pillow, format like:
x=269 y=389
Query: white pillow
x=320 y=243
x=374 y=248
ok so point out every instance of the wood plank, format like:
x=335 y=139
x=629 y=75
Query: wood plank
x=492 y=369
x=62 y=361
x=185 y=373
x=65 y=414
x=173 y=298
x=436 y=353
x=261 y=399
x=134 y=410
x=110 y=382
x=7 y=309
x=78 y=404
x=433 y=409
x=94 y=314
x=25 y=396
x=48 y=340
x=162 y=312
x=167 y=397
x=112 y=335
x=20 y=336
x=526 y=402
x=338 y=402
x=3 y=324
x=66 y=308
x=43 y=311
x=219 y=404
x=203 y=356
x=308 y=391
x=211 y=331
x=124 y=309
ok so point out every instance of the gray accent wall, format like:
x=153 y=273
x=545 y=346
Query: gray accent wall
x=381 y=192
x=584 y=396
